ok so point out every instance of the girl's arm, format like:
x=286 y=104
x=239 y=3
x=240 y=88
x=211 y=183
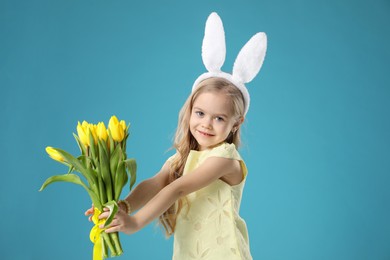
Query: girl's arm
x=212 y=169
x=147 y=189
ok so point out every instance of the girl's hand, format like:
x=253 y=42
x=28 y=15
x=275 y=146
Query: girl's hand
x=90 y=212
x=121 y=222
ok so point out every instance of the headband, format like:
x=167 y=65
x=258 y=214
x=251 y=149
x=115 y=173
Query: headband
x=247 y=64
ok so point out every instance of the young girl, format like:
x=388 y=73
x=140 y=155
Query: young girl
x=197 y=193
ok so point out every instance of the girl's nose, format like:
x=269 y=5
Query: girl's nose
x=207 y=123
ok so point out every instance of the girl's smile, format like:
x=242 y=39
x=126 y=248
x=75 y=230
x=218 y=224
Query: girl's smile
x=205 y=134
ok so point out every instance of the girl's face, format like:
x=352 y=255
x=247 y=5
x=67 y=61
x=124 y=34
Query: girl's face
x=211 y=119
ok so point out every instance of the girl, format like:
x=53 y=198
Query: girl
x=197 y=193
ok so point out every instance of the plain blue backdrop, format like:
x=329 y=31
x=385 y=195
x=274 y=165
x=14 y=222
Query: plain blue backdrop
x=316 y=138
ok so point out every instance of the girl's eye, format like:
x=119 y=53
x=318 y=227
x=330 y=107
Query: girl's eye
x=199 y=113
x=219 y=119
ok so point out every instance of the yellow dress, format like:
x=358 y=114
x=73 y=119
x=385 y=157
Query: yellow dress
x=211 y=228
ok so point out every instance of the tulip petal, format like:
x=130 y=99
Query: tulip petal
x=54 y=154
x=82 y=133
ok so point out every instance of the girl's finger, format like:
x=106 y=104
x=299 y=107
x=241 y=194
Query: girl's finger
x=113 y=223
x=112 y=229
x=104 y=215
x=89 y=212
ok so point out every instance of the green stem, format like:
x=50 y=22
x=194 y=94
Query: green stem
x=104 y=249
x=102 y=192
x=117 y=244
x=108 y=241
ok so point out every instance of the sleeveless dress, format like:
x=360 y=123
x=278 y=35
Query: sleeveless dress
x=210 y=227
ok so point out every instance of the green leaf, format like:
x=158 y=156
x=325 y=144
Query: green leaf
x=104 y=146
x=69 y=177
x=114 y=160
x=113 y=207
x=83 y=150
x=102 y=189
x=73 y=178
x=112 y=143
x=95 y=199
x=83 y=159
x=92 y=146
x=95 y=186
x=72 y=160
x=131 y=165
x=77 y=164
x=104 y=167
x=120 y=179
x=71 y=168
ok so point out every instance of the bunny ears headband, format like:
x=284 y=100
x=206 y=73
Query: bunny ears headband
x=247 y=64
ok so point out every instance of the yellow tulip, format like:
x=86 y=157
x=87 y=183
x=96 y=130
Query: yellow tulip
x=85 y=125
x=54 y=154
x=123 y=124
x=93 y=129
x=108 y=140
x=113 y=120
x=82 y=132
x=116 y=129
x=101 y=131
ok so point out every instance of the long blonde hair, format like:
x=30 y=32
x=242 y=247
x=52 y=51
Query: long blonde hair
x=184 y=142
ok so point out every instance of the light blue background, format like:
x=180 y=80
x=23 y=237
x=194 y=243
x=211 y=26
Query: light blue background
x=316 y=139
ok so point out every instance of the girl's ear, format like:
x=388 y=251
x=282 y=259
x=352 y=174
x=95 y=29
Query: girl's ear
x=241 y=120
x=238 y=123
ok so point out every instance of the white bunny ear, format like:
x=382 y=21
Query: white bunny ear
x=250 y=58
x=214 y=47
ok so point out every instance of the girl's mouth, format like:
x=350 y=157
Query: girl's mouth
x=205 y=134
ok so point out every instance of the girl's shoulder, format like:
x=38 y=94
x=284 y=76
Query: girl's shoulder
x=228 y=151
x=224 y=150
x=170 y=158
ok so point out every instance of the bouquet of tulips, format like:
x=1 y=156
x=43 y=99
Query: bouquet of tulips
x=104 y=166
